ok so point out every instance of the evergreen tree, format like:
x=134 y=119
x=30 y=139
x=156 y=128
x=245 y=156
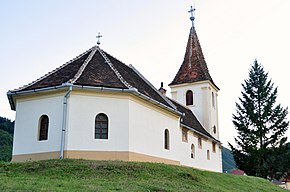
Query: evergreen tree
x=6 y=139
x=261 y=126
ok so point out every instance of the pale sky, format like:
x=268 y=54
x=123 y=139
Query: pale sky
x=37 y=36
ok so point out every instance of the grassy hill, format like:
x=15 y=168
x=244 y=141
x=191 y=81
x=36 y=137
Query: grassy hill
x=84 y=175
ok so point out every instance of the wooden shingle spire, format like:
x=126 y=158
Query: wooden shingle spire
x=194 y=67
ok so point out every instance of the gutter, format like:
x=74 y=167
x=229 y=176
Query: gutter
x=64 y=115
x=10 y=94
x=133 y=91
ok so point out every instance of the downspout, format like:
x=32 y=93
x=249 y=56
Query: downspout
x=64 y=114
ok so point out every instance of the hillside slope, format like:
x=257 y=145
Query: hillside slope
x=84 y=175
x=228 y=160
x=6 y=139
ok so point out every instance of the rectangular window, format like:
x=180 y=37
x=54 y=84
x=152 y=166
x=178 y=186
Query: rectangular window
x=184 y=135
x=199 y=142
x=213 y=147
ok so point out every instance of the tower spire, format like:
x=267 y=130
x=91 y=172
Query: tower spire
x=192 y=17
x=194 y=68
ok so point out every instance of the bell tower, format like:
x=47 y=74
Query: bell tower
x=193 y=85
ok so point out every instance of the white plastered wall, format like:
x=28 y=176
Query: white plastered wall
x=82 y=111
x=147 y=126
x=134 y=125
x=28 y=112
x=202 y=103
x=200 y=160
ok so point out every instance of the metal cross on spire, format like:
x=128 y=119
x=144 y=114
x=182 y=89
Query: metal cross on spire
x=98 y=37
x=191 y=11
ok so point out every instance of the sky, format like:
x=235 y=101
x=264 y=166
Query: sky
x=37 y=36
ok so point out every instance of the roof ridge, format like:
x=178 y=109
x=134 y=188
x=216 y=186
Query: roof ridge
x=84 y=65
x=53 y=71
x=118 y=74
x=158 y=92
x=190 y=52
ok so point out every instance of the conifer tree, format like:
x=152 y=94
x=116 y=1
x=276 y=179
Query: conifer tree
x=261 y=125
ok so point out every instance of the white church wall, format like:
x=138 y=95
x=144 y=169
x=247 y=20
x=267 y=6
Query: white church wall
x=147 y=127
x=198 y=98
x=202 y=103
x=28 y=113
x=200 y=156
x=82 y=111
x=214 y=115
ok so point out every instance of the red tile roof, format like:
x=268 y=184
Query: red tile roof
x=96 y=68
x=237 y=172
x=193 y=68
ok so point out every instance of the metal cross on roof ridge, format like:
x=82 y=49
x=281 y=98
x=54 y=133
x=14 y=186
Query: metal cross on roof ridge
x=191 y=11
x=98 y=37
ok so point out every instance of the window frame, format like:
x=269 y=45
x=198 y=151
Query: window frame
x=192 y=151
x=214 y=129
x=213 y=99
x=101 y=126
x=199 y=141
x=166 y=139
x=43 y=126
x=208 y=155
x=184 y=134
x=189 y=97
x=213 y=147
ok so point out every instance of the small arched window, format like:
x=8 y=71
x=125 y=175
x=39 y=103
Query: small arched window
x=213 y=99
x=208 y=155
x=192 y=154
x=189 y=97
x=43 y=128
x=213 y=147
x=214 y=129
x=101 y=126
x=166 y=139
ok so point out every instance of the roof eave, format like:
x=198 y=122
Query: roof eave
x=11 y=94
x=209 y=137
x=173 y=85
x=133 y=91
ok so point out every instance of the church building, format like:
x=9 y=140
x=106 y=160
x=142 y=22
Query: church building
x=96 y=107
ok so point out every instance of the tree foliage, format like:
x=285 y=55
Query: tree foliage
x=6 y=139
x=261 y=125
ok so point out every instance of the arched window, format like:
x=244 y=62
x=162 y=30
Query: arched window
x=208 y=155
x=213 y=99
x=214 y=129
x=213 y=147
x=189 y=97
x=101 y=126
x=166 y=139
x=43 y=128
x=192 y=154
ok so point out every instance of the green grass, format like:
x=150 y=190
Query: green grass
x=84 y=175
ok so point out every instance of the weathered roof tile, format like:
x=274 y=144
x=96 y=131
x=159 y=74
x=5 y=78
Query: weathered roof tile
x=193 y=68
